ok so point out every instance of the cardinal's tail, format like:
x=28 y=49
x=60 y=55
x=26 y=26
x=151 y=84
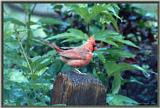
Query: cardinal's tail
x=52 y=45
x=58 y=49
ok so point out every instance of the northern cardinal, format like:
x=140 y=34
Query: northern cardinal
x=77 y=56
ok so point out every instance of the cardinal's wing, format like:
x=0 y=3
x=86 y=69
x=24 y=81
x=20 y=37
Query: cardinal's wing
x=78 y=53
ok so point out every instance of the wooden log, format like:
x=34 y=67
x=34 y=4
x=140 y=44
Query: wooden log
x=72 y=88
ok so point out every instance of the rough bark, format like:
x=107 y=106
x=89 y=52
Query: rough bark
x=77 y=89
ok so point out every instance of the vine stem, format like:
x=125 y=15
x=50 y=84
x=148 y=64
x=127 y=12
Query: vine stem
x=25 y=55
x=23 y=51
x=29 y=13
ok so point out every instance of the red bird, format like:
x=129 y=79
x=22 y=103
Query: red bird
x=77 y=56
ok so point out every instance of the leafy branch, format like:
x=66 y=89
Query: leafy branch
x=29 y=13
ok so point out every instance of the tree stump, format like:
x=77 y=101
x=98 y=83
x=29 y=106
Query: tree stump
x=72 y=88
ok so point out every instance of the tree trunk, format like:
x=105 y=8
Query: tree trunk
x=72 y=88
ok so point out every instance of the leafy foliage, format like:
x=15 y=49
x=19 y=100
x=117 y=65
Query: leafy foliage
x=120 y=100
x=30 y=67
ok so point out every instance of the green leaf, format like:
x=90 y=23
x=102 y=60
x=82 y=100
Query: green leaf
x=145 y=72
x=88 y=13
x=17 y=76
x=101 y=57
x=95 y=73
x=107 y=37
x=41 y=86
x=70 y=35
x=120 y=100
x=95 y=10
x=14 y=21
x=26 y=7
x=120 y=53
x=40 y=72
x=113 y=21
x=116 y=84
x=56 y=66
x=40 y=104
x=52 y=21
x=112 y=67
x=83 y=12
x=111 y=43
x=106 y=34
x=127 y=42
x=111 y=36
x=132 y=79
x=39 y=32
x=114 y=9
x=39 y=64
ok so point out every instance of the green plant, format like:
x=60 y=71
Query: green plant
x=29 y=70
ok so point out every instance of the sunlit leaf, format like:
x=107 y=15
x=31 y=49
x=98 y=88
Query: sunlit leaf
x=120 y=100
x=40 y=72
x=17 y=76
x=14 y=21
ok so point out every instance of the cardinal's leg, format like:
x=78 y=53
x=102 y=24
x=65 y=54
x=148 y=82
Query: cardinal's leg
x=79 y=72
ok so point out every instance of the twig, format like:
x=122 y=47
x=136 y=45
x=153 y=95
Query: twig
x=33 y=8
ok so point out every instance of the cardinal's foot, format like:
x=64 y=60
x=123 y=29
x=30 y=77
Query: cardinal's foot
x=79 y=72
